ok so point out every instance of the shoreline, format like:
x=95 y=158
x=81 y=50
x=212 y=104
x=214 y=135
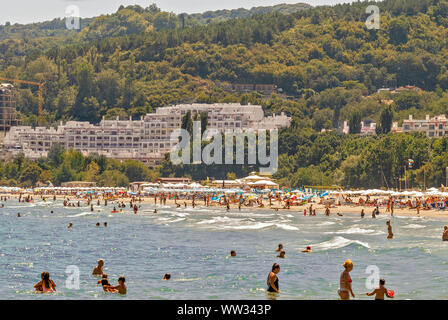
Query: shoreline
x=297 y=209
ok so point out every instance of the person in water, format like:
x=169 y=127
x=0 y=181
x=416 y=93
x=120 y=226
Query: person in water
x=281 y=255
x=233 y=253
x=120 y=288
x=166 y=276
x=98 y=270
x=308 y=249
x=105 y=224
x=18 y=215
x=70 y=225
x=389 y=230
x=362 y=213
x=445 y=233
x=46 y=284
x=280 y=247
x=272 y=280
x=104 y=280
x=380 y=292
x=345 y=281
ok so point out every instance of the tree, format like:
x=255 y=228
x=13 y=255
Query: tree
x=355 y=122
x=386 y=118
x=204 y=121
x=55 y=154
x=30 y=173
x=398 y=31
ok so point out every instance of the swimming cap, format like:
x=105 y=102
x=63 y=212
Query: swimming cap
x=308 y=248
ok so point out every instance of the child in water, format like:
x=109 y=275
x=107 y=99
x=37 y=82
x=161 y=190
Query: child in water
x=380 y=291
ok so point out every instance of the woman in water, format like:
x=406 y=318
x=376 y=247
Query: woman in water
x=272 y=281
x=345 y=282
x=46 y=284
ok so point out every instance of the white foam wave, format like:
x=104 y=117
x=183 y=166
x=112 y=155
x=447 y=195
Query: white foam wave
x=338 y=242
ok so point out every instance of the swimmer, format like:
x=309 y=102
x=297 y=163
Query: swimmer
x=105 y=224
x=389 y=230
x=374 y=213
x=97 y=224
x=120 y=288
x=18 y=215
x=98 y=270
x=308 y=249
x=70 y=225
x=166 y=276
x=272 y=280
x=281 y=255
x=339 y=214
x=51 y=211
x=445 y=233
x=362 y=213
x=380 y=291
x=155 y=210
x=345 y=281
x=46 y=284
x=280 y=247
x=233 y=253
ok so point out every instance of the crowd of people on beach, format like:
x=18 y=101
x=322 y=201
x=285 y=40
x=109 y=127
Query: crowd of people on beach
x=47 y=285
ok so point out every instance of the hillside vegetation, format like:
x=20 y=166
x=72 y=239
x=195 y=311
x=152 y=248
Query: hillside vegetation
x=328 y=64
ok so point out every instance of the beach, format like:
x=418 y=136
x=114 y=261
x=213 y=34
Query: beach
x=194 y=244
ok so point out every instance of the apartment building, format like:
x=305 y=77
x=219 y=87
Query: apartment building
x=147 y=139
x=432 y=127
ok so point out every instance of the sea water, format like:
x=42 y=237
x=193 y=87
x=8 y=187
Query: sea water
x=194 y=246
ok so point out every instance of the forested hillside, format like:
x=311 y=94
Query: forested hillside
x=328 y=64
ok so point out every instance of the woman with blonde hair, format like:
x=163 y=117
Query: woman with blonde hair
x=345 y=281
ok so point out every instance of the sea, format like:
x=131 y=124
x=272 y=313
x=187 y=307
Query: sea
x=194 y=245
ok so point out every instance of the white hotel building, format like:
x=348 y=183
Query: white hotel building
x=147 y=139
x=433 y=127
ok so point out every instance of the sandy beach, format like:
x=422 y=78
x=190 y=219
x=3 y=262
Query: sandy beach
x=354 y=209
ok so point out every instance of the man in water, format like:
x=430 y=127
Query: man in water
x=70 y=225
x=120 y=288
x=281 y=255
x=380 y=291
x=233 y=253
x=327 y=211
x=280 y=247
x=389 y=230
x=98 y=270
x=362 y=213
x=445 y=233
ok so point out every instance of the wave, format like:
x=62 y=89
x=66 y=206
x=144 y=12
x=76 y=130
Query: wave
x=414 y=226
x=82 y=214
x=339 y=242
x=353 y=230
